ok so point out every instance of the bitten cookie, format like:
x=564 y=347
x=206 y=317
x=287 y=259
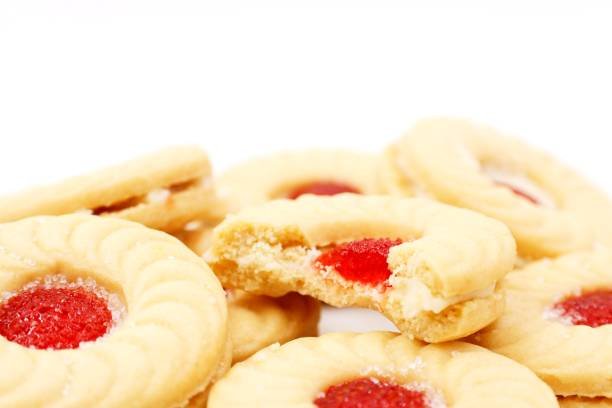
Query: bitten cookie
x=379 y=369
x=430 y=268
x=163 y=190
x=549 y=208
x=99 y=312
x=558 y=322
x=294 y=173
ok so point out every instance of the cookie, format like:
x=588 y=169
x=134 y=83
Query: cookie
x=257 y=321
x=558 y=322
x=431 y=269
x=379 y=369
x=291 y=174
x=163 y=190
x=100 y=312
x=549 y=208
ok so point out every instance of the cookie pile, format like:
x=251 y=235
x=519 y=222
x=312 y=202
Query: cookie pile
x=155 y=284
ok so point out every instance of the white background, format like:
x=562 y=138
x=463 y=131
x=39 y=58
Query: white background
x=87 y=83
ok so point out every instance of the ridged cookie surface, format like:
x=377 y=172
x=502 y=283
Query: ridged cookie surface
x=455 y=374
x=164 y=351
x=475 y=167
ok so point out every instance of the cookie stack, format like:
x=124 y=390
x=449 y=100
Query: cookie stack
x=155 y=284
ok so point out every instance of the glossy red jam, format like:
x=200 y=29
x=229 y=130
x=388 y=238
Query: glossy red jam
x=370 y=393
x=55 y=317
x=520 y=193
x=590 y=309
x=363 y=261
x=326 y=188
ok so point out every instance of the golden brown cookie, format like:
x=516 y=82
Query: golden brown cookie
x=577 y=402
x=291 y=174
x=375 y=369
x=163 y=190
x=558 y=322
x=432 y=269
x=549 y=208
x=100 y=312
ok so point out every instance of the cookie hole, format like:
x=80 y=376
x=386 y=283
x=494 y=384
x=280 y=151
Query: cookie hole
x=589 y=308
x=316 y=187
x=520 y=184
x=371 y=392
x=55 y=312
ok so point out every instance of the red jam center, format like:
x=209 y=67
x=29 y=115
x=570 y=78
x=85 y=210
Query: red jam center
x=322 y=188
x=590 y=309
x=56 y=317
x=363 y=261
x=519 y=192
x=370 y=393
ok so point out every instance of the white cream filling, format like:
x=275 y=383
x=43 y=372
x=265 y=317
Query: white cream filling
x=520 y=182
x=415 y=297
x=159 y=195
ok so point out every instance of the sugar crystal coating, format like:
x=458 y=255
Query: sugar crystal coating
x=371 y=393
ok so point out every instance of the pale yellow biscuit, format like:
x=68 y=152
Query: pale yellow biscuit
x=275 y=176
x=443 y=277
x=165 y=350
x=163 y=190
x=572 y=359
x=453 y=375
x=257 y=321
x=473 y=166
x=577 y=402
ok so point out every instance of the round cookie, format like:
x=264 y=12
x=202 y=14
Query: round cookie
x=431 y=269
x=100 y=312
x=558 y=322
x=163 y=190
x=549 y=208
x=293 y=173
x=256 y=321
x=379 y=369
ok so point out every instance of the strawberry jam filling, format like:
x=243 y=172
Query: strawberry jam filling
x=326 y=188
x=371 y=393
x=363 y=261
x=520 y=193
x=590 y=309
x=54 y=317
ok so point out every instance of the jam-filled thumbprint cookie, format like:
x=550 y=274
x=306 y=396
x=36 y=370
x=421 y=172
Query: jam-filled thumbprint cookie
x=430 y=268
x=295 y=173
x=558 y=322
x=101 y=312
x=550 y=209
x=379 y=369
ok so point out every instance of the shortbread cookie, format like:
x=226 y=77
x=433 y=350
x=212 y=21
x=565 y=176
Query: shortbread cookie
x=379 y=369
x=432 y=269
x=164 y=190
x=291 y=174
x=256 y=321
x=558 y=322
x=577 y=402
x=100 y=312
x=549 y=208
